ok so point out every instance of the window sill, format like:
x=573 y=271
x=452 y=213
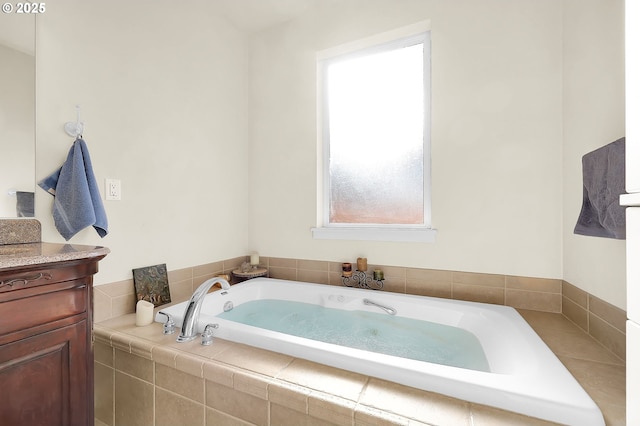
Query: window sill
x=409 y=235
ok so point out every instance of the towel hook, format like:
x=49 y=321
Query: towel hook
x=75 y=129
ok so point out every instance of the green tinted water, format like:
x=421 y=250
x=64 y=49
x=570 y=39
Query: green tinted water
x=374 y=332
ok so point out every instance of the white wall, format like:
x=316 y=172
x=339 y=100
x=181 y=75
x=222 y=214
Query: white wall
x=496 y=135
x=163 y=90
x=593 y=114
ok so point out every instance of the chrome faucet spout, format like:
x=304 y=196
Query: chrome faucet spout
x=192 y=311
x=387 y=309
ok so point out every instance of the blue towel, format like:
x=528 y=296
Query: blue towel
x=77 y=202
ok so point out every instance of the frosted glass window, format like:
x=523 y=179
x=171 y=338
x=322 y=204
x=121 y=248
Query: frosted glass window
x=375 y=132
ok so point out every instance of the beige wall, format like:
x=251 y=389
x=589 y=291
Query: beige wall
x=593 y=115
x=496 y=134
x=213 y=135
x=163 y=90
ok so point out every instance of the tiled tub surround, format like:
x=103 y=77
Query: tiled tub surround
x=145 y=378
x=604 y=322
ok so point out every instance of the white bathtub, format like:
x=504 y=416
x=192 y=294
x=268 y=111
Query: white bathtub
x=525 y=377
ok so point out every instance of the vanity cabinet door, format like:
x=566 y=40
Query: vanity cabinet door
x=43 y=378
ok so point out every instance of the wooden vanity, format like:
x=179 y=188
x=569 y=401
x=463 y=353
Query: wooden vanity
x=46 y=350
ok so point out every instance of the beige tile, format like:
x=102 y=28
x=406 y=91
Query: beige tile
x=309 y=276
x=101 y=305
x=331 y=408
x=288 y=395
x=609 y=336
x=207 y=269
x=489 y=416
x=122 y=305
x=429 y=275
x=419 y=405
x=337 y=267
x=103 y=393
x=577 y=344
x=121 y=341
x=216 y=418
x=534 y=300
x=164 y=355
x=133 y=401
x=370 y=416
x=282 y=262
x=103 y=353
x=545 y=285
x=255 y=359
x=547 y=320
x=478 y=293
x=181 y=290
x=284 y=416
x=185 y=274
x=392 y=271
x=237 y=404
x=98 y=422
x=283 y=273
x=142 y=348
x=134 y=365
x=251 y=383
x=234 y=263
x=609 y=313
x=179 y=382
x=190 y=363
x=121 y=323
x=119 y=288
x=485 y=280
x=434 y=288
x=219 y=373
x=574 y=294
x=395 y=284
x=172 y=409
x=335 y=278
x=605 y=383
x=342 y=383
x=313 y=265
x=576 y=313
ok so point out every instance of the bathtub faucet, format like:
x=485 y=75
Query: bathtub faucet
x=192 y=312
x=387 y=309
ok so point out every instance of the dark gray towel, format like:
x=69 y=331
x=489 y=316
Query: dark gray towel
x=25 y=207
x=602 y=184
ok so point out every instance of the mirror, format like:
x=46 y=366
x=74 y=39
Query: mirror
x=17 y=115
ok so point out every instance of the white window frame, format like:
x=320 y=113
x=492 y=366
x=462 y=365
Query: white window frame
x=417 y=33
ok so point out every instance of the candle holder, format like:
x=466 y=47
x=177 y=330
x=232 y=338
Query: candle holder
x=361 y=280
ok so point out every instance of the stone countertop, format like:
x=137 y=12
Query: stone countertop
x=16 y=255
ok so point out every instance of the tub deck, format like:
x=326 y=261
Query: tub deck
x=267 y=388
x=522 y=385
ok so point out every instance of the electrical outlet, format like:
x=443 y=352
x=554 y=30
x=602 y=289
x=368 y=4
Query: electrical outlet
x=113 y=189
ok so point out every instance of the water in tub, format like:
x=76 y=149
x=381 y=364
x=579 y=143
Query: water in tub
x=375 y=332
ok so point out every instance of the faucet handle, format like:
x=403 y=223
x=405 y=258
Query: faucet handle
x=207 y=334
x=169 y=327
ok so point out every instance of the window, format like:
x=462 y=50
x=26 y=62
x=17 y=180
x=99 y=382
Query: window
x=375 y=142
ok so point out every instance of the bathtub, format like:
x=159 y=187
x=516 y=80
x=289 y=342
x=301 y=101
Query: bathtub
x=524 y=375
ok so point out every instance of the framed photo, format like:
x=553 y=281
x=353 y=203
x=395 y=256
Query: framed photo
x=152 y=284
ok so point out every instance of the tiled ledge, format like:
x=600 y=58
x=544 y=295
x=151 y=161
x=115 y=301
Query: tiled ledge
x=142 y=374
x=602 y=321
